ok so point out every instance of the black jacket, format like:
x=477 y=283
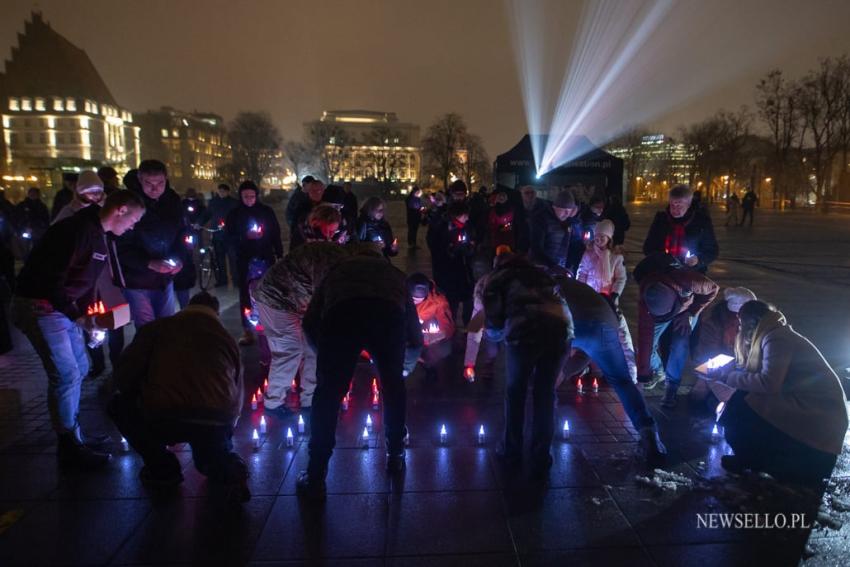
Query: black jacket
x=157 y=236
x=370 y=230
x=218 y=210
x=557 y=244
x=413 y=204
x=452 y=248
x=62 y=198
x=64 y=266
x=32 y=215
x=698 y=232
x=238 y=228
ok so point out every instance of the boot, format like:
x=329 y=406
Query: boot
x=310 y=484
x=72 y=454
x=669 y=401
x=653 y=449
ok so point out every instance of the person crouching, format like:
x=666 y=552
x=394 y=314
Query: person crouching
x=435 y=316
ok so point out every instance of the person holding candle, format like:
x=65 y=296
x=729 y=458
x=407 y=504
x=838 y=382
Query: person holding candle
x=684 y=231
x=452 y=246
x=373 y=227
x=311 y=197
x=413 y=206
x=220 y=206
x=435 y=316
x=557 y=238
x=362 y=303
x=254 y=232
x=787 y=416
x=180 y=381
x=55 y=290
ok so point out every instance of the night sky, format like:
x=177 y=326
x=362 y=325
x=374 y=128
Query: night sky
x=418 y=59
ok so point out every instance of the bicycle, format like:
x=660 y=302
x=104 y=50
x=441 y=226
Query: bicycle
x=208 y=265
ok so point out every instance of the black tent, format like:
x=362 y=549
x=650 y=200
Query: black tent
x=593 y=170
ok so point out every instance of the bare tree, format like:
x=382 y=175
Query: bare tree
x=300 y=158
x=777 y=101
x=441 y=146
x=383 y=154
x=474 y=165
x=255 y=141
x=327 y=143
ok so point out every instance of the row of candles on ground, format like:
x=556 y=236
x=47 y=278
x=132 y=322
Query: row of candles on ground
x=594 y=386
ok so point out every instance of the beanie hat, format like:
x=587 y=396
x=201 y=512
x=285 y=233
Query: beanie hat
x=418 y=285
x=736 y=297
x=334 y=195
x=89 y=182
x=249 y=185
x=659 y=299
x=564 y=200
x=605 y=227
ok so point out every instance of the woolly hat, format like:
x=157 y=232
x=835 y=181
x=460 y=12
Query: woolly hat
x=89 y=182
x=605 y=227
x=249 y=185
x=418 y=285
x=659 y=299
x=736 y=297
x=564 y=200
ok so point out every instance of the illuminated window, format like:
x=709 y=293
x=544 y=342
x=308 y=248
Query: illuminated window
x=94 y=108
x=175 y=133
x=87 y=106
x=14 y=104
x=71 y=104
x=39 y=104
x=26 y=104
x=164 y=133
x=58 y=104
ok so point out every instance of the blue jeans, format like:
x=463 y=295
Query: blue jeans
x=601 y=342
x=60 y=345
x=541 y=364
x=147 y=305
x=678 y=354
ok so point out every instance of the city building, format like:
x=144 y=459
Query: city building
x=654 y=165
x=192 y=145
x=364 y=146
x=57 y=113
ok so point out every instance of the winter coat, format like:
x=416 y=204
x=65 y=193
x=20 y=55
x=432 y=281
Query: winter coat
x=791 y=386
x=33 y=215
x=297 y=228
x=617 y=214
x=217 y=211
x=593 y=272
x=244 y=224
x=194 y=210
x=295 y=205
x=290 y=283
x=184 y=366
x=363 y=278
x=501 y=227
x=695 y=292
x=715 y=332
x=749 y=201
x=452 y=248
x=65 y=265
x=522 y=306
x=436 y=318
x=693 y=233
x=413 y=206
x=378 y=231
x=157 y=236
x=189 y=239
x=62 y=198
x=556 y=244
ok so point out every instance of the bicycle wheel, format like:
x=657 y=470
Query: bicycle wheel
x=206 y=274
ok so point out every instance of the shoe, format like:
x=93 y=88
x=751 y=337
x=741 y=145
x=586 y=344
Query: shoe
x=280 y=412
x=670 y=399
x=247 y=339
x=733 y=464
x=72 y=454
x=656 y=378
x=159 y=478
x=310 y=487
x=237 y=481
x=395 y=462
x=654 y=451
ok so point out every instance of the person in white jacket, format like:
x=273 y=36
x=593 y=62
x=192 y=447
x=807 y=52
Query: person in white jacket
x=603 y=269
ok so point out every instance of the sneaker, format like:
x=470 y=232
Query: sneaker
x=654 y=451
x=280 y=412
x=656 y=378
x=311 y=488
x=247 y=338
x=670 y=399
x=395 y=462
x=72 y=454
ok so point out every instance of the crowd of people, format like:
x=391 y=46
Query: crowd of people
x=540 y=279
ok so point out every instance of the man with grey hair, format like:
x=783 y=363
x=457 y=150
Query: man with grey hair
x=684 y=231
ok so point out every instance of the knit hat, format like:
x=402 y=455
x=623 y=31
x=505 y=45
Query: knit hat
x=249 y=185
x=736 y=297
x=418 y=285
x=564 y=200
x=605 y=227
x=334 y=195
x=659 y=299
x=89 y=182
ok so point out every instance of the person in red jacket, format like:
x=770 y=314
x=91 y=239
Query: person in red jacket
x=435 y=317
x=672 y=297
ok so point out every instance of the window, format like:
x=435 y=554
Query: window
x=28 y=138
x=58 y=104
x=13 y=139
x=175 y=133
x=71 y=105
x=87 y=106
x=42 y=138
x=14 y=104
x=60 y=139
x=94 y=108
x=164 y=133
x=26 y=104
x=39 y=104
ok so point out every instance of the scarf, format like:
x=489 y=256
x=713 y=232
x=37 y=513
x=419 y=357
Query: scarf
x=674 y=243
x=751 y=360
x=602 y=259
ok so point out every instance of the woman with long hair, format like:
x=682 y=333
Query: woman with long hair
x=373 y=227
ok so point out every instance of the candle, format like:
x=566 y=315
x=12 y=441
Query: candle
x=566 y=431
x=443 y=434
x=255 y=438
x=369 y=423
x=595 y=386
x=124 y=445
x=293 y=387
x=374 y=385
x=191 y=209
x=364 y=438
x=254 y=402
x=266 y=386
x=376 y=401
x=715 y=432
x=263 y=426
x=481 y=435
x=300 y=424
x=345 y=402
x=259 y=395
x=579 y=386
x=469 y=374
x=290 y=438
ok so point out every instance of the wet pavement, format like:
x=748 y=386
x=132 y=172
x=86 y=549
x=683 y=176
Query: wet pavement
x=454 y=505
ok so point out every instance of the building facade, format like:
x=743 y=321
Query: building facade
x=655 y=165
x=367 y=146
x=192 y=145
x=57 y=113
